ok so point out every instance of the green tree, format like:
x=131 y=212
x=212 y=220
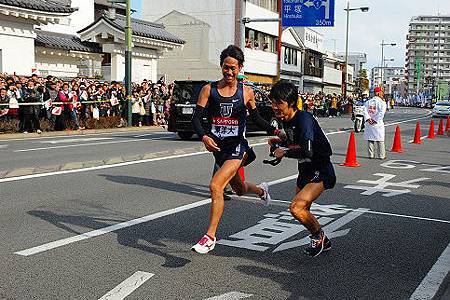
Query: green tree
x=362 y=82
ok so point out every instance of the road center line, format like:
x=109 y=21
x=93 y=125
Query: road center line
x=127 y=286
x=111 y=228
x=434 y=278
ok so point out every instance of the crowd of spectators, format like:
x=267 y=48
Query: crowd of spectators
x=70 y=104
x=319 y=104
x=324 y=105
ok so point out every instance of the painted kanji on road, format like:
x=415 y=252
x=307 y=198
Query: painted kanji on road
x=274 y=229
x=381 y=185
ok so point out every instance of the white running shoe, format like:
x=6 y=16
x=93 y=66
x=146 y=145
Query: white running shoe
x=266 y=196
x=205 y=245
x=39 y=131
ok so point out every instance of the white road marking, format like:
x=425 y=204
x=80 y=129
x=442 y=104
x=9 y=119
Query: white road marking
x=75 y=140
x=3 y=146
x=108 y=229
x=127 y=286
x=80 y=145
x=433 y=280
x=421 y=138
x=121 y=133
x=17 y=178
x=142 y=135
x=359 y=210
x=408 y=120
x=230 y=296
x=380 y=185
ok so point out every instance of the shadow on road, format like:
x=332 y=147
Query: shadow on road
x=189 y=189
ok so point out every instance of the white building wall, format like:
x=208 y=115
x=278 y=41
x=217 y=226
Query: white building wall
x=144 y=69
x=219 y=14
x=192 y=61
x=332 y=76
x=118 y=67
x=57 y=65
x=17 y=46
x=260 y=62
x=78 y=20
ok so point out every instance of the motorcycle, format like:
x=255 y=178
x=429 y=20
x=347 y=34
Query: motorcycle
x=358 y=116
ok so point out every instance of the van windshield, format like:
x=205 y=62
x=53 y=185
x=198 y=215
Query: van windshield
x=187 y=92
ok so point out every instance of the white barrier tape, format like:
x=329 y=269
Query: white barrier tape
x=53 y=103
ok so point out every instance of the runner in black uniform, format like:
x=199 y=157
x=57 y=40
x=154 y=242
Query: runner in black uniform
x=228 y=102
x=306 y=142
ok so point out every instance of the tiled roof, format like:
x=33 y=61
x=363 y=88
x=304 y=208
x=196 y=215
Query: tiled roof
x=144 y=29
x=40 y=5
x=65 y=42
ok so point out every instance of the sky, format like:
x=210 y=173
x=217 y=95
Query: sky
x=386 y=20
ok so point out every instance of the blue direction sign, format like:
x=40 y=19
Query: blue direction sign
x=310 y=13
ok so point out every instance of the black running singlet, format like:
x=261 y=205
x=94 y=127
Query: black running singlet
x=227 y=117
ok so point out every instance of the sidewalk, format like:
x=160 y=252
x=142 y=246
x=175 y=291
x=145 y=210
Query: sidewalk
x=11 y=136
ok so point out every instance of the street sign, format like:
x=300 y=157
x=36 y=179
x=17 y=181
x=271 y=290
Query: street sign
x=307 y=13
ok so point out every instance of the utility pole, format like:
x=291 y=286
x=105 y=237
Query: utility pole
x=348 y=10
x=382 y=58
x=346 y=52
x=280 y=33
x=128 y=50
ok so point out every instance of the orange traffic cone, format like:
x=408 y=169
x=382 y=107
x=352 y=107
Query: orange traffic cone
x=242 y=173
x=447 y=126
x=431 y=131
x=417 y=139
x=441 y=127
x=350 y=159
x=397 y=146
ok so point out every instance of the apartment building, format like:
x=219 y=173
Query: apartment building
x=428 y=54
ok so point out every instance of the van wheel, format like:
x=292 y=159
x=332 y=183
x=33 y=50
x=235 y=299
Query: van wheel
x=185 y=135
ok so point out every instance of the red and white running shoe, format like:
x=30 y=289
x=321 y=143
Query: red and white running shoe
x=205 y=245
x=266 y=196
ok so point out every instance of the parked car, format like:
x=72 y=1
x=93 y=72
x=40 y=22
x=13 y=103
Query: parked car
x=441 y=109
x=185 y=96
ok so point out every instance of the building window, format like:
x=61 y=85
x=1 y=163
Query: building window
x=267 y=4
x=313 y=64
x=260 y=41
x=290 y=56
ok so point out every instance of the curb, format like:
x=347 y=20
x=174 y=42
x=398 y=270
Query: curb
x=10 y=136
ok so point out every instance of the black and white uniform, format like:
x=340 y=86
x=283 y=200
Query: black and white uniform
x=227 y=118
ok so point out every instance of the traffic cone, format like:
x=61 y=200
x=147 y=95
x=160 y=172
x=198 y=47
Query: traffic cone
x=397 y=146
x=417 y=139
x=242 y=173
x=441 y=127
x=431 y=131
x=350 y=159
x=447 y=126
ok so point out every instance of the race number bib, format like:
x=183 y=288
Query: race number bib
x=225 y=127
